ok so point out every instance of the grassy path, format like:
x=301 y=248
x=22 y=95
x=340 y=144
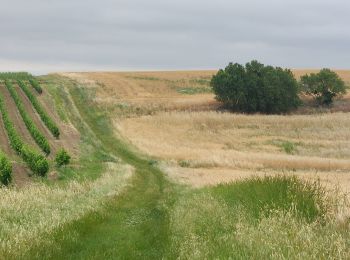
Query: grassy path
x=133 y=225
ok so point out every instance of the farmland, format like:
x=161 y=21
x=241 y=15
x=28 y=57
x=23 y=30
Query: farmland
x=160 y=170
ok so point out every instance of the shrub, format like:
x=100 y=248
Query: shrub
x=323 y=86
x=42 y=113
x=39 y=138
x=35 y=161
x=256 y=88
x=35 y=84
x=5 y=170
x=62 y=158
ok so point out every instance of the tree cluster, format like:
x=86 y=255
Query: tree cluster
x=258 y=88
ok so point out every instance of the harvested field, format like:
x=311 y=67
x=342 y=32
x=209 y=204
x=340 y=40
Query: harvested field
x=226 y=146
x=151 y=90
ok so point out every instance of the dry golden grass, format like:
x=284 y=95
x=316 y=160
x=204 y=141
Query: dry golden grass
x=149 y=89
x=210 y=147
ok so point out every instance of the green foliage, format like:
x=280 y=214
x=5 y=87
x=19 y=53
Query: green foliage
x=256 y=88
x=260 y=196
x=5 y=170
x=262 y=218
x=288 y=147
x=35 y=84
x=15 y=75
x=62 y=158
x=39 y=138
x=184 y=163
x=42 y=113
x=35 y=161
x=323 y=86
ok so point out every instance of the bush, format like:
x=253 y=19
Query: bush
x=62 y=158
x=256 y=88
x=323 y=86
x=42 y=113
x=5 y=170
x=35 y=84
x=39 y=138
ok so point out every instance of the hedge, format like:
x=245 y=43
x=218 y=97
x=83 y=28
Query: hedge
x=35 y=84
x=39 y=138
x=15 y=75
x=50 y=124
x=36 y=162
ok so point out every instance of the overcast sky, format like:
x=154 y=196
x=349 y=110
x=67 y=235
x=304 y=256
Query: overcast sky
x=77 y=35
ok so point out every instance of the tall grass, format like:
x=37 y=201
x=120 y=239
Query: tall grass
x=269 y=218
x=29 y=215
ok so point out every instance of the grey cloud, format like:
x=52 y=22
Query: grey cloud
x=156 y=34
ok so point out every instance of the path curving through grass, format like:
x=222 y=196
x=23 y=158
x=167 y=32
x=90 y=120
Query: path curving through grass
x=134 y=224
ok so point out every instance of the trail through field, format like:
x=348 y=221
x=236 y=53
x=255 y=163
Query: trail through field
x=133 y=225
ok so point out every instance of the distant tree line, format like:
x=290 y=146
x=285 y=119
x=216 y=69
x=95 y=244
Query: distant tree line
x=267 y=89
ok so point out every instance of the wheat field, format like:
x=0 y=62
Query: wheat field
x=209 y=147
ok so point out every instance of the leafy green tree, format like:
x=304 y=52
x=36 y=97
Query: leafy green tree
x=256 y=88
x=62 y=158
x=323 y=86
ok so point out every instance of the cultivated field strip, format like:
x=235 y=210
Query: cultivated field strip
x=37 y=135
x=47 y=120
x=16 y=117
x=36 y=119
x=35 y=161
x=4 y=143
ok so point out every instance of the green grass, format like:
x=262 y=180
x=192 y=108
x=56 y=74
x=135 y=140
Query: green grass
x=259 y=196
x=133 y=225
x=260 y=218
